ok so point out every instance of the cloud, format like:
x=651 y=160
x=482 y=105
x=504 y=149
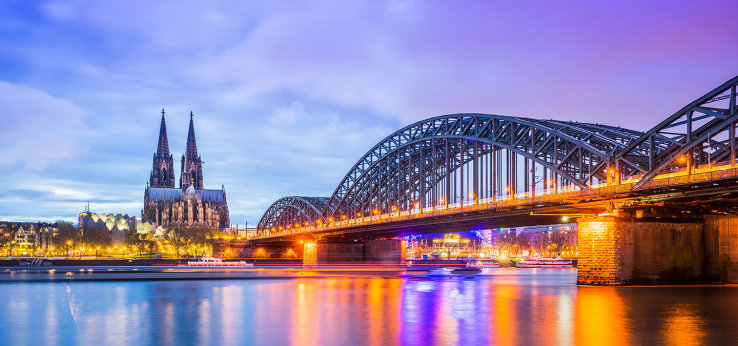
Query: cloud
x=38 y=129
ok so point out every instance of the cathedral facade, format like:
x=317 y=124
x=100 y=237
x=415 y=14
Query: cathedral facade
x=190 y=204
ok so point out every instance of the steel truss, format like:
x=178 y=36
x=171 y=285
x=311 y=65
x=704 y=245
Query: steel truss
x=698 y=135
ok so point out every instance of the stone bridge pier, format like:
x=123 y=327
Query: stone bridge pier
x=631 y=251
x=387 y=251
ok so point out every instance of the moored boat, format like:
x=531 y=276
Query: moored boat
x=484 y=264
x=543 y=262
x=217 y=262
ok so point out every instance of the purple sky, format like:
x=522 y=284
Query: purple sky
x=288 y=95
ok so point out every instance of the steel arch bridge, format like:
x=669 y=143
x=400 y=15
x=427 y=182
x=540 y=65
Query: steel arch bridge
x=452 y=161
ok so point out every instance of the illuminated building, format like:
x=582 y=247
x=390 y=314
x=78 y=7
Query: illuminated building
x=190 y=204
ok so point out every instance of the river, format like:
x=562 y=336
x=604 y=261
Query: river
x=507 y=306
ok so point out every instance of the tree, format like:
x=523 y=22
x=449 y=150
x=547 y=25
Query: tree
x=5 y=243
x=67 y=236
x=140 y=242
x=95 y=234
x=196 y=236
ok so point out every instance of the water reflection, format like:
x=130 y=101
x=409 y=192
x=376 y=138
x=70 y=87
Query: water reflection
x=507 y=308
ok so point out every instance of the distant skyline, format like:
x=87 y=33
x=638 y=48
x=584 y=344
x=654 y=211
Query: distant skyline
x=288 y=95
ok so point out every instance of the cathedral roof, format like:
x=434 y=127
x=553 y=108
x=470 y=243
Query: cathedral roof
x=164 y=193
x=168 y=194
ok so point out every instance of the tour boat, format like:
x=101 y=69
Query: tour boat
x=484 y=264
x=542 y=262
x=217 y=262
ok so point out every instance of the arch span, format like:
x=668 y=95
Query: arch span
x=452 y=158
x=293 y=210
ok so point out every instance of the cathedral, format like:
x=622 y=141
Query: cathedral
x=190 y=204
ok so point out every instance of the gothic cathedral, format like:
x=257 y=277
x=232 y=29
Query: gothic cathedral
x=190 y=204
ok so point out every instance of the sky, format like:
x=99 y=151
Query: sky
x=287 y=95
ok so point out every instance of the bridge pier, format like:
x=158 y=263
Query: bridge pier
x=630 y=251
x=386 y=251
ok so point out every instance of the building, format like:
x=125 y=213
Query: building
x=116 y=225
x=190 y=204
x=28 y=234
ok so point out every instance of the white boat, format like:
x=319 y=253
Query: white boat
x=217 y=262
x=543 y=262
x=484 y=264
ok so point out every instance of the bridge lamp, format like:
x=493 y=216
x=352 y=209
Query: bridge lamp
x=682 y=158
x=375 y=211
x=394 y=208
x=358 y=214
x=343 y=217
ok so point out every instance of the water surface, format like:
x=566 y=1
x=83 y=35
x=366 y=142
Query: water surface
x=509 y=306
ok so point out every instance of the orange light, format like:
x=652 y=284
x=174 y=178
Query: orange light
x=682 y=159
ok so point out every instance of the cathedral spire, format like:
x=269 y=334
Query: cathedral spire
x=163 y=147
x=191 y=163
x=191 y=152
x=162 y=172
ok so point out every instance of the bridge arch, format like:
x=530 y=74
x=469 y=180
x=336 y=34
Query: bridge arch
x=414 y=163
x=291 y=210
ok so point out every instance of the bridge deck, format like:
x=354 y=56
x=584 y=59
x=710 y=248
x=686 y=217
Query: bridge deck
x=543 y=209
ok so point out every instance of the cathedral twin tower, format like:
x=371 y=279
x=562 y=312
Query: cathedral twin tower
x=190 y=204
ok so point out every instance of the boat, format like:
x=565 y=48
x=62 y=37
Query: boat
x=484 y=264
x=467 y=270
x=545 y=262
x=217 y=262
